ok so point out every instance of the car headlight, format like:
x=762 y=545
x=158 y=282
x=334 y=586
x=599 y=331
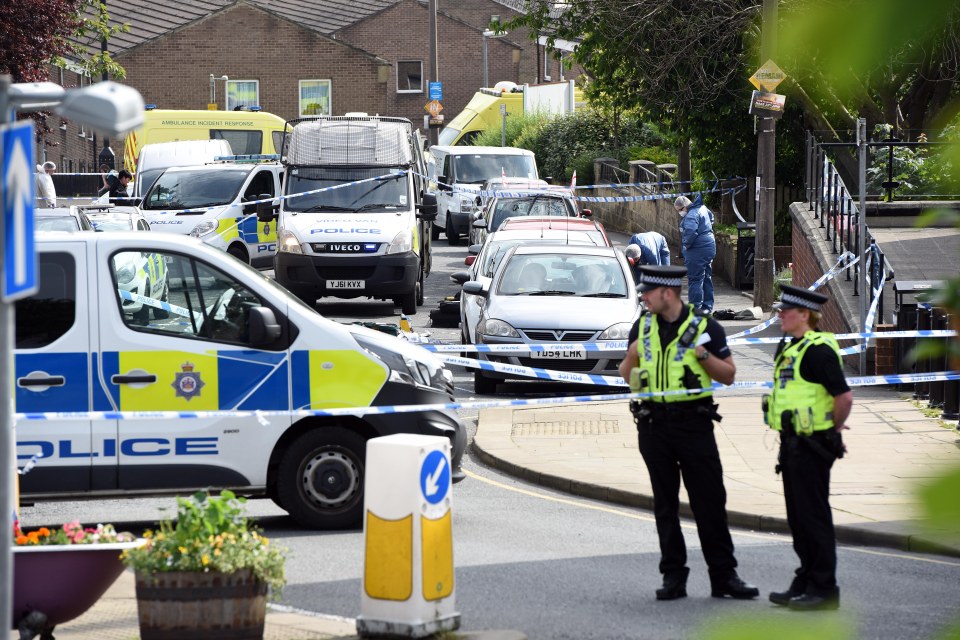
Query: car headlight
x=497 y=328
x=205 y=227
x=619 y=331
x=402 y=243
x=288 y=242
x=402 y=368
x=126 y=273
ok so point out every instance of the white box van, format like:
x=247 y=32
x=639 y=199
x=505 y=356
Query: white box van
x=353 y=218
x=218 y=336
x=154 y=158
x=456 y=174
x=213 y=202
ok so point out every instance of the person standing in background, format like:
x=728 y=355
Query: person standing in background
x=698 y=247
x=46 y=191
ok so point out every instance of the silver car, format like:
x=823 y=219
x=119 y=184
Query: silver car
x=538 y=295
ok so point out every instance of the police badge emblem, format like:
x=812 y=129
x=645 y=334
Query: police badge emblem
x=266 y=228
x=187 y=383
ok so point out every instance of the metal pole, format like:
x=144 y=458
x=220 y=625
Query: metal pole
x=434 y=64
x=862 y=231
x=486 y=75
x=766 y=154
x=7 y=425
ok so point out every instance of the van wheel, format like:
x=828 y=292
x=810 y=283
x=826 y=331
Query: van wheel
x=482 y=384
x=453 y=238
x=163 y=314
x=238 y=252
x=434 y=231
x=320 y=481
x=143 y=315
x=408 y=302
x=420 y=288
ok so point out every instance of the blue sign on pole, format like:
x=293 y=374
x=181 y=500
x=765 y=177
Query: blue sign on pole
x=436 y=91
x=435 y=477
x=16 y=232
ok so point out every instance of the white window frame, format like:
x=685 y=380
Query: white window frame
x=420 y=90
x=230 y=107
x=329 y=84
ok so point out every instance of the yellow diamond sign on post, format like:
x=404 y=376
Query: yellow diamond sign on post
x=433 y=107
x=768 y=76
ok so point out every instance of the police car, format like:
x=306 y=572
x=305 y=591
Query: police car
x=232 y=341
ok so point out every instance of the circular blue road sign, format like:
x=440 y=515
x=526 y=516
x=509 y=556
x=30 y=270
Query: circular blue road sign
x=435 y=477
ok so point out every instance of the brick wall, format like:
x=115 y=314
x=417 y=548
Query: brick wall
x=63 y=145
x=400 y=33
x=246 y=43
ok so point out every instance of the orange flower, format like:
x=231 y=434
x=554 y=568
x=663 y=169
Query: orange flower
x=33 y=537
x=43 y=531
x=22 y=539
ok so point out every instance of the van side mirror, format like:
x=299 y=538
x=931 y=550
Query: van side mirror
x=263 y=325
x=427 y=209
x=266 y=212
x=442 y=184
x=480 y=223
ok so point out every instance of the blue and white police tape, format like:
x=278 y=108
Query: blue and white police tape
x=473 y=404
x=160 y=304
x=872 y=313
x=621 y=345
x=834 y=271
x=533 y=372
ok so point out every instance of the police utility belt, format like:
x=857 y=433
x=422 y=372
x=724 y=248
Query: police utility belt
x=826 y=443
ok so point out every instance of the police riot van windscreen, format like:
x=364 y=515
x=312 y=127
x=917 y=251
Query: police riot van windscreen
x=388 y=192
x=477 y=168
x=194 y=189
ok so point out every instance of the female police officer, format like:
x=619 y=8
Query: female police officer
x=809 y=406
x=674 y=349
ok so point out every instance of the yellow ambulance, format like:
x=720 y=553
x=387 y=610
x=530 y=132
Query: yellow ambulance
x=249 y=132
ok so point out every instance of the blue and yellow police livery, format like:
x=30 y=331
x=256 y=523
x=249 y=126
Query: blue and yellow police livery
x=220 y=338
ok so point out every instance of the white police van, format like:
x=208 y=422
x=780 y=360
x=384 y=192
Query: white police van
x=216 y=202
x=227 y=339
x=353 y=221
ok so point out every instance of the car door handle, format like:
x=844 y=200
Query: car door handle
x=145 y=378
x=51 y=381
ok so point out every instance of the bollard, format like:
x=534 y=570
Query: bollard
x=921 y=390
x=938 y=361
x=408 y=589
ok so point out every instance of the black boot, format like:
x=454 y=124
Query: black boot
x=797 y=588
x=811 y=602
x=674 y=585
x=734 y=587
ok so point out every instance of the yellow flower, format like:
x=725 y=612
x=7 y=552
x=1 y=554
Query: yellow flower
x=216 y=552
x=205 y=560
x=183 y=550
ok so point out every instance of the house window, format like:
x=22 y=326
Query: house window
x=410 y=76
x=242 y=93
x=315 y=98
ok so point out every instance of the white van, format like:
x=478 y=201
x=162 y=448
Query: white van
x=456 y=175
x=156 y=157
x=354 y=213
x=213 y=202
x=220 y=337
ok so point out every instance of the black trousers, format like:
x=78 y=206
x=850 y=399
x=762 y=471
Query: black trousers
x=806 y=489
x=685 y=446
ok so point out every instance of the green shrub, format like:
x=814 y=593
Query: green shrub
x=656 y=155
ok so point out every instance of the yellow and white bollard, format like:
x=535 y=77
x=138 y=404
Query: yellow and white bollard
x=408 y=586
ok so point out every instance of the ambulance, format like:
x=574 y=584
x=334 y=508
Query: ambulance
x=354 y=218
x=228 y=340
x=217 y=202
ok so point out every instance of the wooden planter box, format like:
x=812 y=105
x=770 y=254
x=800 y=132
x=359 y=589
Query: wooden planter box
x=185 y=604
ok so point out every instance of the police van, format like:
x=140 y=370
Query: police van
x=217 y=202
x=354 y=217
x=226 y=339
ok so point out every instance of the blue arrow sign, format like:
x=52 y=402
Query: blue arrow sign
x=19 y=247
x=435 y=477
x=436 y=91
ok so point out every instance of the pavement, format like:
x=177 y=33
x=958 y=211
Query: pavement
x=590 y=449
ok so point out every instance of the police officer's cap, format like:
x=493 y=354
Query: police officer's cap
x=653 y=276
x=797 y=298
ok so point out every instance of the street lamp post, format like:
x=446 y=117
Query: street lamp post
x=112 y=109
x=488 y=33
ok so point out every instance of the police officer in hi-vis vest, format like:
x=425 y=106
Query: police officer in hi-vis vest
x=809 y=406
x=674 y=349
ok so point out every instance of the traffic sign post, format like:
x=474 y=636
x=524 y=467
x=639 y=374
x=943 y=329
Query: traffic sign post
x=16 y=232
x=436 y=91
x=768 y=77
x=433 y=108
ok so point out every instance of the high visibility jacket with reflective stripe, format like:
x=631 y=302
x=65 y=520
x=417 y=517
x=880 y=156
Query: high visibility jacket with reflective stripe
x=808 y=403
x=663 y=367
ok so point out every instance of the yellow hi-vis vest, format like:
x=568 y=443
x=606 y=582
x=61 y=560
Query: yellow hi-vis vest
x=662 y=368
x=808 y=403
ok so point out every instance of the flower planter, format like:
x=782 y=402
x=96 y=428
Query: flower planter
x=56 y=583
x=186 y=604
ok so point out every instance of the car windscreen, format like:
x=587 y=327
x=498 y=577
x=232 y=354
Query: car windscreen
x=383 y=189
x=114 y=224
x=548 y=274
x=539 y=206
x=193 y=189
x=476 y=168
x=56 y=223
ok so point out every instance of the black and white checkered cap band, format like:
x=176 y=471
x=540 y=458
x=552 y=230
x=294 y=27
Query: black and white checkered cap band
x=661 y=281
x=797 y=301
